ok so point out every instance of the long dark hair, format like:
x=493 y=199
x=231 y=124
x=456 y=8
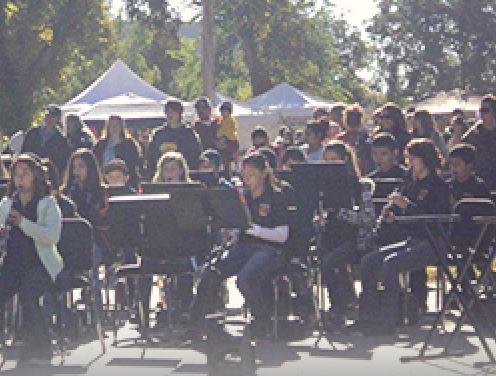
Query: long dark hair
x=124 y=131
x=94 y=180
x=40 y=183
x=258 y=161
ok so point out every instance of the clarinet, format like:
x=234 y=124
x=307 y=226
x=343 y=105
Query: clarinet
x=384 y=213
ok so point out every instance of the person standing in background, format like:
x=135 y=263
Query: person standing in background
x=47 y=140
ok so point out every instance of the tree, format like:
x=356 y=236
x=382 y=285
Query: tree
x=294 y=41
x=159 y=21
x=425 y=46
x=37 y=39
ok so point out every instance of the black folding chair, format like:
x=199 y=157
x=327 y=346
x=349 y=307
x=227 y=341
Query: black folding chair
x=76 y=248
x=466 y=299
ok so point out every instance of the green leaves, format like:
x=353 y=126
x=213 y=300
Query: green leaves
x=431 y=45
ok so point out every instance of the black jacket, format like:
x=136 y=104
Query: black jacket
x=81 y=138
x=183 y=139
x=55 y=148
x=426 y=196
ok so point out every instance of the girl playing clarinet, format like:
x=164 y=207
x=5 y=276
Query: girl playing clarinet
x=33 y=221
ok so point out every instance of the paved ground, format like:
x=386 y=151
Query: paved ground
x=339 y=355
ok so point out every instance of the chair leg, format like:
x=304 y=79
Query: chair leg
x=60 y=325
x=276 y=309
x=96 y=310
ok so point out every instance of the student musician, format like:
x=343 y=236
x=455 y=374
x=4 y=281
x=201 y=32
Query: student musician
x=464 y=183
x=84 y=185
x=427 y=193
x=355 y=239
x=210 y=160
x=257 y=254
x=116 y=173
x=385 y=155
x=173 y=168
x=32 y=263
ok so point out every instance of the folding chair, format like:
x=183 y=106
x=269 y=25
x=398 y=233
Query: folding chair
x=465 y=299
x=76 y=249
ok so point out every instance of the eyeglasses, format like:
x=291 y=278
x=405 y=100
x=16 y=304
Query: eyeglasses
x=485 y=110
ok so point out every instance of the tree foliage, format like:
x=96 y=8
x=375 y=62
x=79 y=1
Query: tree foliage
x=424 y=46
x=161 y=25
x=38 y=40
x=294 y=41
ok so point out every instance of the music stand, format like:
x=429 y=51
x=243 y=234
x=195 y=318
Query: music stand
x=207 y=177
x=227 y=209
x=385 y=186
x=119 y=190
x=187 y=201
x=133 y=224
x=324 y=188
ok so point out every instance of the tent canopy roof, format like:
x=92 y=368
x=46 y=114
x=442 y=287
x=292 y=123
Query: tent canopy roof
x=118 y=79
x=285 y=96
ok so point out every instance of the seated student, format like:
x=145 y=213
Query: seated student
x=210 y=160
x=464 y=183
x=83 y=184
x=259 y=139
x=315 y=134
x=66 y=205
x=116 y=173
x=347 y=237
x=385 y=157
x=173 y=168
x=427 y=193
x=298 y=242
x=33 y=223
x=257 y=254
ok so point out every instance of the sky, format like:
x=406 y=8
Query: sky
x=354 y=11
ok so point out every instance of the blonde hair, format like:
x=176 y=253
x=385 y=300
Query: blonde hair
x=171 y=156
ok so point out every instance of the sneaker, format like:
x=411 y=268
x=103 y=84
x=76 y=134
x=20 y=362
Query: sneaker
x=380 y=329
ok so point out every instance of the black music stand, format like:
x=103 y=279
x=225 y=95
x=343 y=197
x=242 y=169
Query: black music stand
x=324 y=188
x=134 y=220
x=207 y=177
x=385 y=186
x=227 y=210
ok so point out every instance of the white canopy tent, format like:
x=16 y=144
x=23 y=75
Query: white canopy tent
x=287 y=101
x=119 y=79
x=444 y=103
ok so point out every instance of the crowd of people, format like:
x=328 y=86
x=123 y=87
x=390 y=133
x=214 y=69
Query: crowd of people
x=61 y=170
